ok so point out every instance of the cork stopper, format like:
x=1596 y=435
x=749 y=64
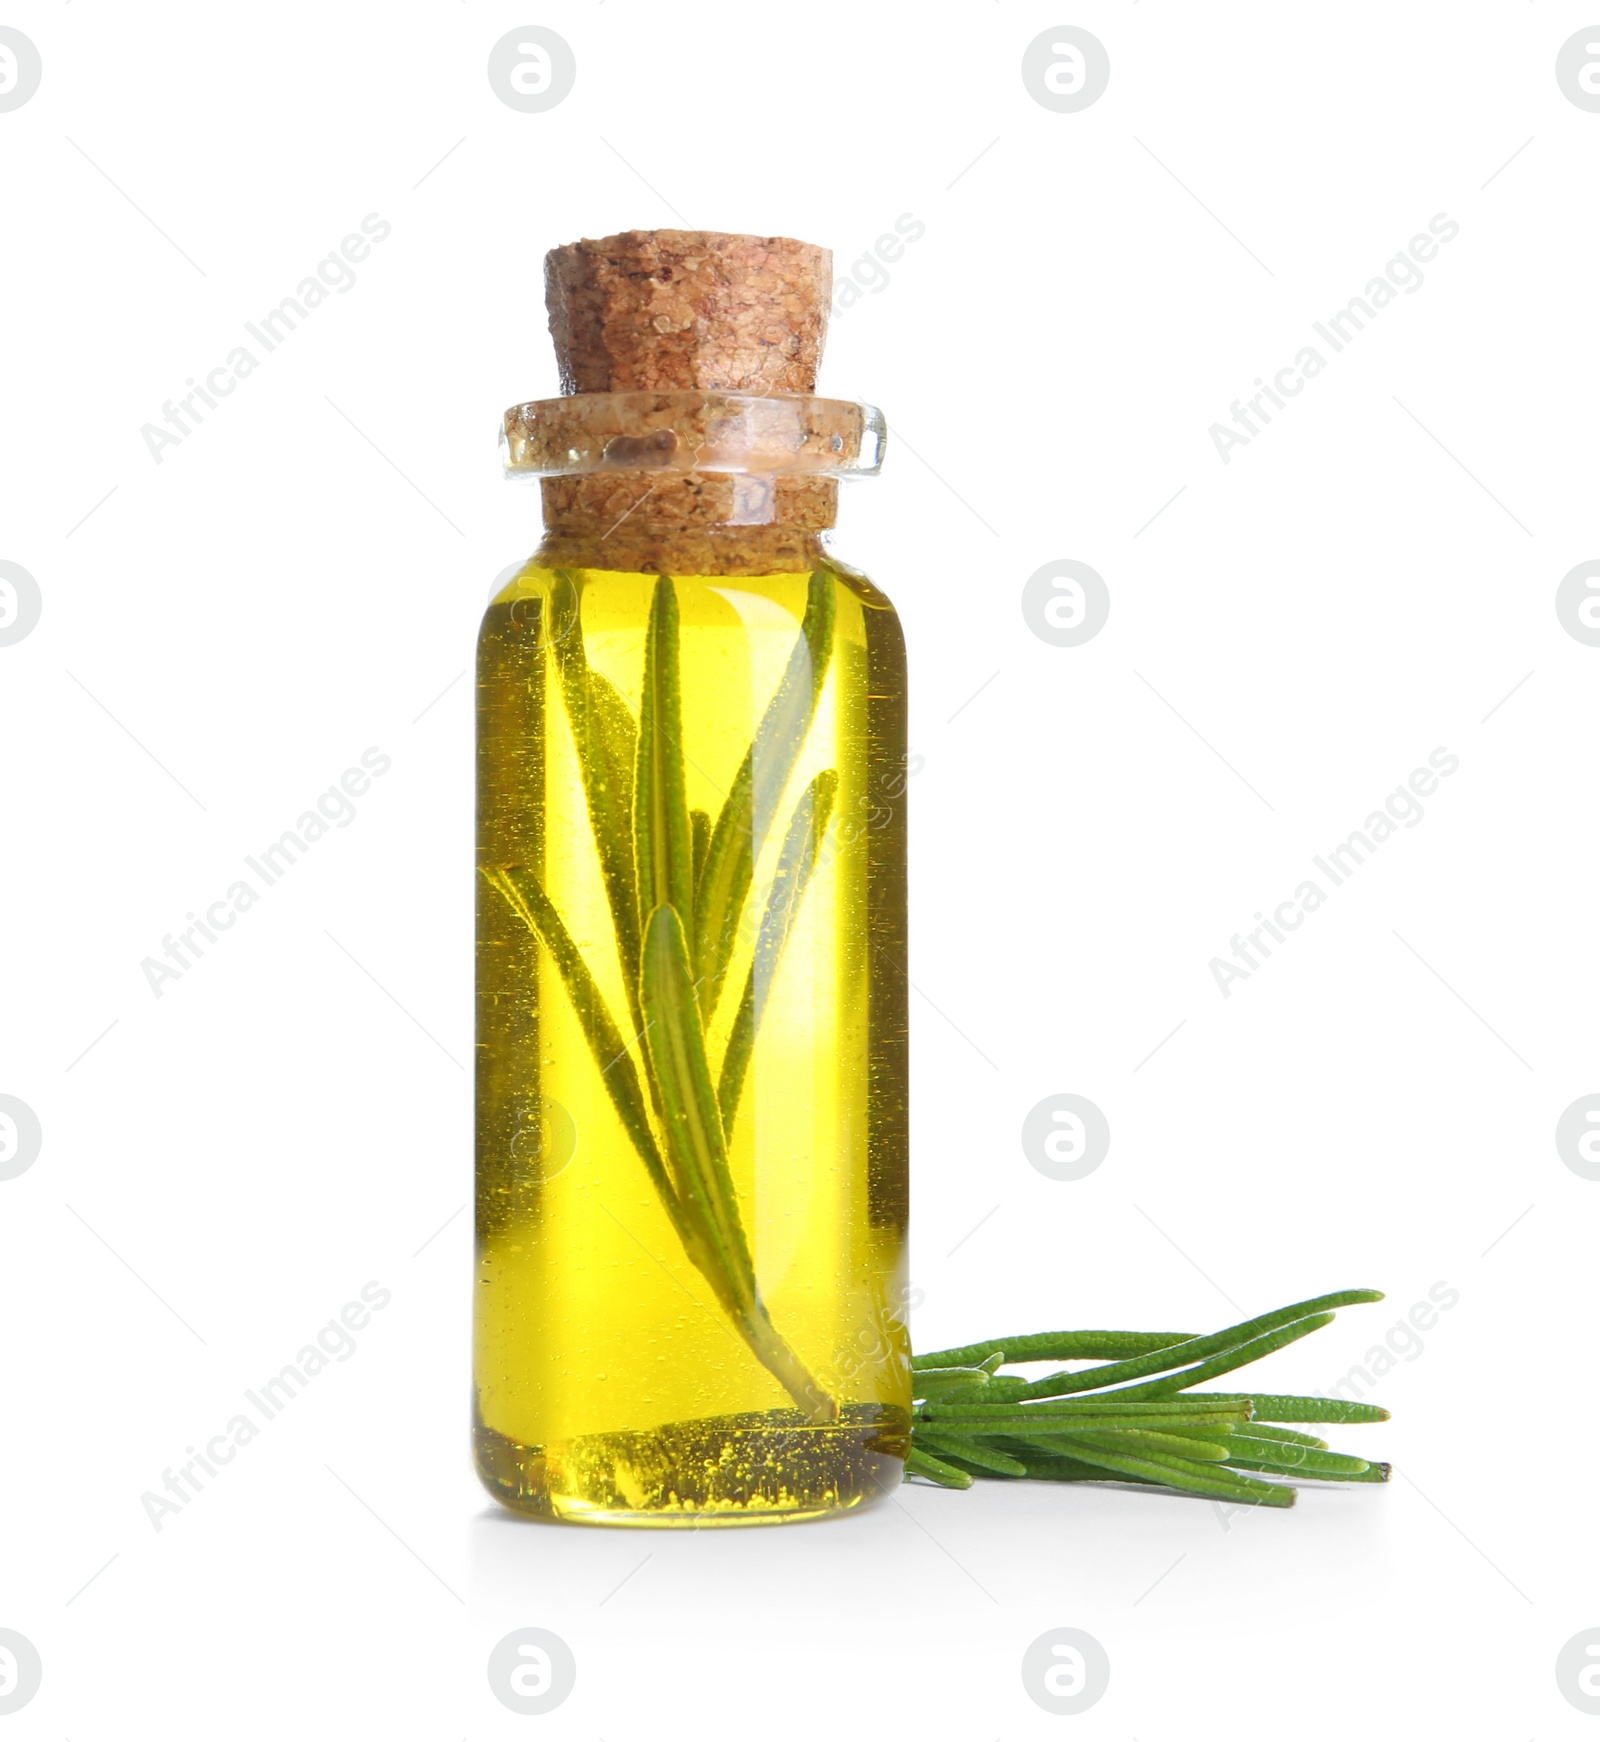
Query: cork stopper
x=655 y=310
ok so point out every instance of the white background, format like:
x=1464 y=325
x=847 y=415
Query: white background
x=223 y=633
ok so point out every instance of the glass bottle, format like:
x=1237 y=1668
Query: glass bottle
x=691 y=1046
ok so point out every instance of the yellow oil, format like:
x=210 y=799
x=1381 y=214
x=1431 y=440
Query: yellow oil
x=613 y=1383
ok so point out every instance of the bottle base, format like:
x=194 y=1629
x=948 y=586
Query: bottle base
x=774 y=1467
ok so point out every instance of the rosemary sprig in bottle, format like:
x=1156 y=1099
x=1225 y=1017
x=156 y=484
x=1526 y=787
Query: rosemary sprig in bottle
x=678 y=885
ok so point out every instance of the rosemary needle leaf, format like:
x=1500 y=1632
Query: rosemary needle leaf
x=796 y=862
x=1274 y=1406
x=1229 y=1359
x=741 y=826
x=974 y=1452
x=1055 y=1346
x=1197 y=1349
x=689 y=1119
x=920 y=1463
x=699 y=839
x=934 y=1380
x=1042 y=1467
x=1372 y=1473
x=1137 y=1413
x=1004 y=1388
x=1259 y=1454
x=1213 y=1479
x=662 y=851
x=1136 y=1440
x=604 y=737
x=1030 y=1421
x=1258 y=1430
x=526 y=896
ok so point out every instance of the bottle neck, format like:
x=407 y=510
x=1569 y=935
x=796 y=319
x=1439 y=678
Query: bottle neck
x=691 y=481
x=687 y=522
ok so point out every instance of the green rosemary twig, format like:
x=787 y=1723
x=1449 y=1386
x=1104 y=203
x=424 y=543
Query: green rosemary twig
x=670 y=877
x=971 y=1420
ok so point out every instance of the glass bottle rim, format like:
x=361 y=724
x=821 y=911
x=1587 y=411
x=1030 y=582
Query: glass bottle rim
x=692 y=430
